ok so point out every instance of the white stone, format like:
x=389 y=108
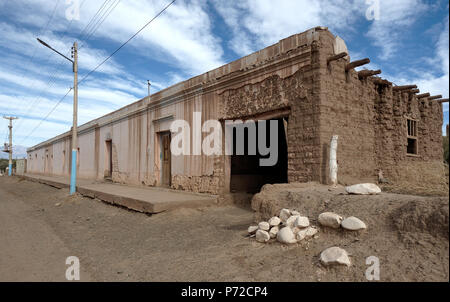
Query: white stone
x=262 y=236
x=290 y=221
x=330 y=219
x=311 y=231
x=274 y=231
x=285 y=235
x=284 y=215
x=334 y=255
x=294 y=212
x=301 y=222
x=252 y=229
x=264 y=225
x=306 y=233
x=274 y=221
x=353 y=224
x=363 y=189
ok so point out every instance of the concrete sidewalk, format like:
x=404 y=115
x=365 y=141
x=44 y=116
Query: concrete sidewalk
x=141 y=199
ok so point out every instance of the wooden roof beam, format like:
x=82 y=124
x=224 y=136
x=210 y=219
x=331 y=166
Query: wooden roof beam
x=357 y=63
x=423 y=95
x=362 y=74
x=336 y=57
x=442 y=100
x=435 y=97
x=404 y=87
x=380 y=81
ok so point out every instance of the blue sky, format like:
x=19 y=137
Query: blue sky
x=409 y=43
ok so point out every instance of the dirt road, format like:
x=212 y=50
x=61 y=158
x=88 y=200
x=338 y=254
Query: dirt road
x=40 y=226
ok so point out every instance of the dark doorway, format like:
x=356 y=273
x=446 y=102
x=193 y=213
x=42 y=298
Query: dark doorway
x=247 y=175
x=108 y=159
x=165 y=159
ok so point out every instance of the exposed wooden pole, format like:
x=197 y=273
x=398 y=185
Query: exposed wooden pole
x=357 y=63
x=367 y=73
x=435 y=97
x=423 y=95
x=404 y=87
x=442 y=100
x=336 y=57
x=380 y=81
x=333 y=160
x=414 y=91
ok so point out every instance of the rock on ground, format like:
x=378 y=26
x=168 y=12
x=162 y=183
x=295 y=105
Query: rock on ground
x=274 y=221
x=334 y=255
x=262 y=236
x=330 y=219
x=306 y=233
x=251 y=229
x=284 y=215
x=353 y=224
x=291 y=221
x=285 y=235
x=363 y=189
x=301 y=222
x=263 y=225
x=274 y=231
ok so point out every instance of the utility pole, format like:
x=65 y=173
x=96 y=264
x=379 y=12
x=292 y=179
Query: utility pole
x=73 y=174
x=73 y=171
x=10 y=149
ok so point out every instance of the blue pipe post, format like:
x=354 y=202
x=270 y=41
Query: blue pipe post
x=9 y=169
x=73 y=173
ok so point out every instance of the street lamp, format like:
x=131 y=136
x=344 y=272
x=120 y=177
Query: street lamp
x=73 y=171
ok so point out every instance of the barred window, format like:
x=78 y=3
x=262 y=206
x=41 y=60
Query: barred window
x=412 y=137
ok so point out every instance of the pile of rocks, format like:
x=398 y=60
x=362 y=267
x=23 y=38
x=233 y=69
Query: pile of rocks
x=291 y=227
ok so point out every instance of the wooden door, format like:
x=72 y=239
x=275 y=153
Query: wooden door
x=165 y=159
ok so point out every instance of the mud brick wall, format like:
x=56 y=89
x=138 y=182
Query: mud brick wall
x=347 y=110
x=303 y=92
x=371 y=121
x=300 y=93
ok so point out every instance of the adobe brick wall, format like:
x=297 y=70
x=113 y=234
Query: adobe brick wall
x=370 y=120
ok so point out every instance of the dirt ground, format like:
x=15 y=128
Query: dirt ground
x=40 y=226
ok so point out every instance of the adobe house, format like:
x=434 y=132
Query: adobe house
x=306 y=83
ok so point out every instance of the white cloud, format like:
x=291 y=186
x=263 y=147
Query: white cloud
x=435 y=79
x=395 y=16
x=258 y=23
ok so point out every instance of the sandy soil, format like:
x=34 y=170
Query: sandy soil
x=208 y=244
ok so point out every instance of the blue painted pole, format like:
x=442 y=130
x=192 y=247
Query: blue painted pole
x=73 y=173
x=9 y=169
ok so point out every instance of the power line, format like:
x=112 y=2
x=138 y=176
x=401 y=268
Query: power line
x=45 y=118
x=52 y=79
x=100 y=21
x=120 y=47
x=43 y=30
x=85 y=30
x=93 y=70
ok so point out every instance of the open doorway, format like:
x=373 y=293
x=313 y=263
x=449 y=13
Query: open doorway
x=165 y=157
x=108 y=160
x=247 y=175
